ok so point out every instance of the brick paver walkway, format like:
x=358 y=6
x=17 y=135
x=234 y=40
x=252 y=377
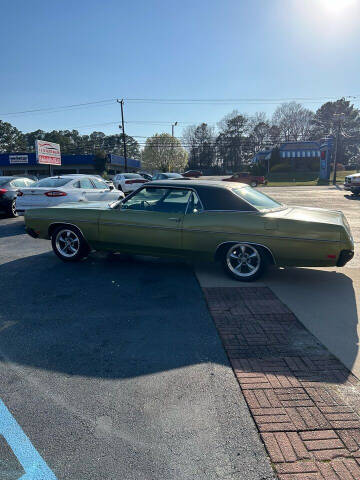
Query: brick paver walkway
x=300 y=396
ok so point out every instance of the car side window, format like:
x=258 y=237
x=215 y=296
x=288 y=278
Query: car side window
x=144 y=199
x=162 y=200
x=194 y=205
x=100 y=185
x=86 y=183
x=176 y=201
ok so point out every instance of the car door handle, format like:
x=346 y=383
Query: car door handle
x=174 y=219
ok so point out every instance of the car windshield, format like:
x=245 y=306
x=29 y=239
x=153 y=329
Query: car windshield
x=259 y=200
x=52 y=182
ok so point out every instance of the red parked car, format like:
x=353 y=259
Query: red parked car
x=246 y=177
x=192 y=173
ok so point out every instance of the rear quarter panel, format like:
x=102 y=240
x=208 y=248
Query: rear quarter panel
x=292 y=243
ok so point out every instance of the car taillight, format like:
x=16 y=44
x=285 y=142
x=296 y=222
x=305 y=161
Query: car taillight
x=55 y=193
x=2 y=191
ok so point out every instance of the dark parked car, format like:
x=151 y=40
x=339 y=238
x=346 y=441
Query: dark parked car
x=146 y=175
x=9 y=187
x=192 y=173
x=168 y=176
x=246 y=177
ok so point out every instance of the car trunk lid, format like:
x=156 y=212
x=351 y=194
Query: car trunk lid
x=35 y=196
x=308 y=214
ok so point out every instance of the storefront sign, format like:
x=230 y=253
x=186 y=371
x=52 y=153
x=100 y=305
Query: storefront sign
x=47 y=153
x=18 y=159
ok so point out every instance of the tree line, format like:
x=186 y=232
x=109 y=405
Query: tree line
x=229 y=146
x=70 y=141
x=239 y=136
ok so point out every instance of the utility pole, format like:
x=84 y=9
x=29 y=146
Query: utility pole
x=338 y=130
x=123 y=130
x=172 y=134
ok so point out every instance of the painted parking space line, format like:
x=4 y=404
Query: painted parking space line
x=33 y=464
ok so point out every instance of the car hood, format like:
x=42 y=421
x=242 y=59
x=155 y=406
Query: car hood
x=308 y=214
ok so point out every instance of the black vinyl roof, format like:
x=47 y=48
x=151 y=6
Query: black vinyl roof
x=214 y=194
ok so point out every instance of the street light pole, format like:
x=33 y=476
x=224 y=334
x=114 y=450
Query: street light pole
x=123 y=130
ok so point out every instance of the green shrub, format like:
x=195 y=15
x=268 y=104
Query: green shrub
x=314 y=165
x=281 y=167
x=258 y=169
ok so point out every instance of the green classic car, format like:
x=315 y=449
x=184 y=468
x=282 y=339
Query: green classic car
x=235 y=224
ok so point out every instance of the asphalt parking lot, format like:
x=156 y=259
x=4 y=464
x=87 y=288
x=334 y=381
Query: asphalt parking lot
x=113 y=369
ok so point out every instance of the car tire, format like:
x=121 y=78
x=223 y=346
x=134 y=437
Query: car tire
x=69 y=244
x=254 y=183
x=244 y=262
x=12 y=209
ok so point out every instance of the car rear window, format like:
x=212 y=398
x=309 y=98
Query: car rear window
x=52 y=182
x=132 y=175
x=173 y=175
x=259 y=200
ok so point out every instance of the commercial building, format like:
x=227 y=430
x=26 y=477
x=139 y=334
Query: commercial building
x=26 y=164
x=301 y=155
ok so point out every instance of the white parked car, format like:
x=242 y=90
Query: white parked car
x=352 y=183
x=52 y=191
x=128 y=182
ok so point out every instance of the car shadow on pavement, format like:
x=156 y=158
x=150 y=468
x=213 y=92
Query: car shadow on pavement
x=108 y=316
x=324 y=301
x=11 y=229
x=352 y=197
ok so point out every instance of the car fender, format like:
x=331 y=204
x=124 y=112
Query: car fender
x=222 y=246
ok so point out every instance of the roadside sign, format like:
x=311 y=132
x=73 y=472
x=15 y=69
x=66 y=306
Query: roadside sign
x=18 y=159
x=47 y=153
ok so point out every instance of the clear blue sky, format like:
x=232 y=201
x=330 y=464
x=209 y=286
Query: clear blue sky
x=66 y=52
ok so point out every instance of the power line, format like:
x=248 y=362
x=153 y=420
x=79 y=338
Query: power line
x=61 y=108
x=224 y=101
x=198 y=101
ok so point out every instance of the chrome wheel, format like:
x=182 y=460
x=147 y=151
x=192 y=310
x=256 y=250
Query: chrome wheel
x=243 y=260
x=67 y=243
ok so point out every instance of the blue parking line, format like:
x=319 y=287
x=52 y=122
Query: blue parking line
x=33 y=464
